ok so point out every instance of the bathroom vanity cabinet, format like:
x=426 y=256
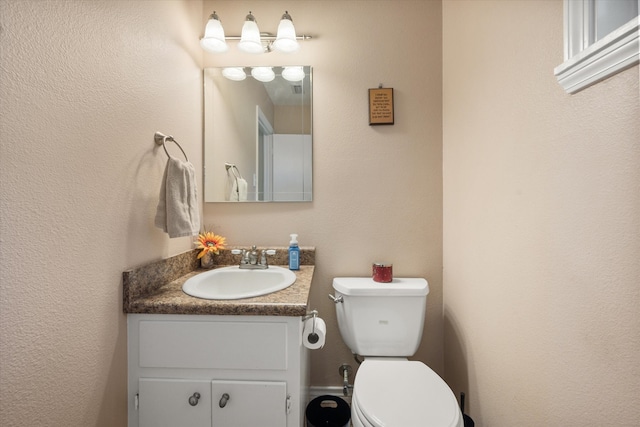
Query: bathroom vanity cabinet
x=216 y=371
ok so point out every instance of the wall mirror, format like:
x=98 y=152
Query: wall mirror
x=257 y=134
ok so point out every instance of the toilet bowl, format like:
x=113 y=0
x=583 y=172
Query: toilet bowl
x=390 y=392
x=383 y=322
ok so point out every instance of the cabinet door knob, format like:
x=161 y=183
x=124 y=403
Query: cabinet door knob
x=223 y=400
x=193 y=400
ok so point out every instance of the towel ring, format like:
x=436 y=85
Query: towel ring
x=161 y=139
x=231 y=166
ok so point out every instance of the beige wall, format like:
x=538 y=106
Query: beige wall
x=83 y=87
x=377 y=190
x=541 y=225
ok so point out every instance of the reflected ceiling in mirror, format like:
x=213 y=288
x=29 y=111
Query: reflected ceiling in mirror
x=257 y=134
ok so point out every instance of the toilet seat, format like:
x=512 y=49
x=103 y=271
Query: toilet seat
x=358 y=419
x=402 y=393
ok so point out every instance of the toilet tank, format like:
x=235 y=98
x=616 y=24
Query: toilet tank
x=381 y=319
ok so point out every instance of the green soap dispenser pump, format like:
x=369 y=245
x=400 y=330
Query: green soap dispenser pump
x=294 y=253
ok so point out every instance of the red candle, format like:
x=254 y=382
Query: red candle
x=382 y=273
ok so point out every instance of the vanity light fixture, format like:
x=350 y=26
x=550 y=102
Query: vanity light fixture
x=252 y=40
x=213 y=40
x=263 y=74
x=286 y=37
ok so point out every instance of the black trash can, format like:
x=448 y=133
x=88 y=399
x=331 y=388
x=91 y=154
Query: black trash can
x=328 y=411
x=468 y=421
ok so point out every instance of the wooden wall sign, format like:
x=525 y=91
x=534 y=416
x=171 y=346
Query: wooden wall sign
x=381 y=106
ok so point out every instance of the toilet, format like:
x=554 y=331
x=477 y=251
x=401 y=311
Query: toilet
x=383 y=322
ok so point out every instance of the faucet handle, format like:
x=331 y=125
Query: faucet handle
x=265 y=252
x=243 y=252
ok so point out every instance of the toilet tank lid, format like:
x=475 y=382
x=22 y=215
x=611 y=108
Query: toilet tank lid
x=365 y=286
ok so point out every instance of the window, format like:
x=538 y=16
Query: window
x=601 y=38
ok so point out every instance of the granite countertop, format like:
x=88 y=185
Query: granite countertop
x=156 y=288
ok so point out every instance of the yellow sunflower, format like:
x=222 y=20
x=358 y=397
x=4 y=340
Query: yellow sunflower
x=209 y=242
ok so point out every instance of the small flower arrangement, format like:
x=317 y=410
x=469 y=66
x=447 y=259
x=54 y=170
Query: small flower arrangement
x=210 y=243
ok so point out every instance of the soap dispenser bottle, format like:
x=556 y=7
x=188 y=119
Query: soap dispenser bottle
x=294 y=253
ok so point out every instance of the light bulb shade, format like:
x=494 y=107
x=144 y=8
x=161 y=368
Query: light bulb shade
x=250 y=38
x=293 y=74
x=286 y=37
x=234 y=73
x=213 y=40
x=263 y=74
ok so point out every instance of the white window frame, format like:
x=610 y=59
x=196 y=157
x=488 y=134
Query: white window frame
x=587 y=62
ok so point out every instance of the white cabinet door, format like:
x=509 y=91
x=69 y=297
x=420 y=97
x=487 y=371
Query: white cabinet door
x=165 y=403
x=249 y=403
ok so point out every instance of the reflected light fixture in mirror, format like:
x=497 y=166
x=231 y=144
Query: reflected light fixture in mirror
x=293 y=74
x=214 y=40
x=236 y=74
x=252 y=40
x=263 y=74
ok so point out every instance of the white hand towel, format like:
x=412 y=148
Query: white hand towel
x=242 y=190
x=231 y=189
x=178 y=213
x=236 y=189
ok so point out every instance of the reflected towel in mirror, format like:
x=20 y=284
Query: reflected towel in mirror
x=236 y=186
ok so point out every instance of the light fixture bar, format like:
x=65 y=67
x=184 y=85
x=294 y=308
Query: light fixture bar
x=269 y=37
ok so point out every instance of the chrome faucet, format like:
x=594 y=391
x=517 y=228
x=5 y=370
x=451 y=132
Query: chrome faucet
x=250 y=260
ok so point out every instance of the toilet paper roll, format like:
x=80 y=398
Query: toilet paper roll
x=314 y=339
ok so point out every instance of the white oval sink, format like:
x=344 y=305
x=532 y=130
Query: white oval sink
x=236 y=283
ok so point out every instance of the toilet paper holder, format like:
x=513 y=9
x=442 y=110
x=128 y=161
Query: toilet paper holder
x=309 y=315
x=313 y=337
